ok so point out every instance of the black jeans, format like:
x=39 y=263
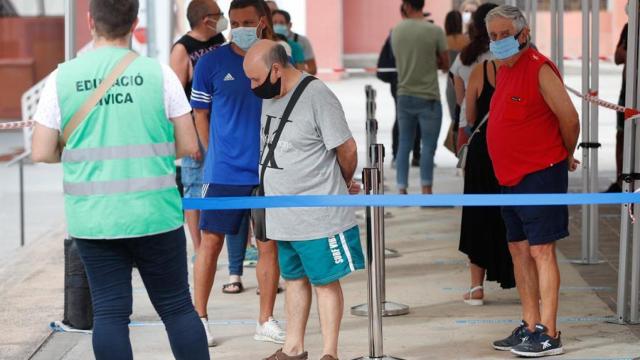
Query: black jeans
x=162 y=262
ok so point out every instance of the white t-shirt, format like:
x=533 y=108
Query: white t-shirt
x=47 y=114
x=464 y=72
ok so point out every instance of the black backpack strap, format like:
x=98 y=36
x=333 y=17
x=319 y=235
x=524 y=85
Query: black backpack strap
x=271 y=148
x=296 y=37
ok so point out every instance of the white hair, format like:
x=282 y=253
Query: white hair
x=508 y=12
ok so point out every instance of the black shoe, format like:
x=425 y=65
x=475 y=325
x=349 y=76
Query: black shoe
x=614 y=188
x=516 y=338
x=539 y=344
x=415 y=162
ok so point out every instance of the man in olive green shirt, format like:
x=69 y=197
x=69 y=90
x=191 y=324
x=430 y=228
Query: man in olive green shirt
x=420 y=49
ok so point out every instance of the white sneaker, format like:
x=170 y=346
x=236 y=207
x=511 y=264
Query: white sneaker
x=270 y=331
x=210 y=341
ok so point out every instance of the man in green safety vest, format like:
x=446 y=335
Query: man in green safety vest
x=124 y=119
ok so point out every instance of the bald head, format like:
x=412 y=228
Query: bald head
x=199 y=10
x=262 y=57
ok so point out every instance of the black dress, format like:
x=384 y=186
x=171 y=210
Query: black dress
x=483 y=235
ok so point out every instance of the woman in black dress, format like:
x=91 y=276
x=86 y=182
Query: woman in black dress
x=483 y=234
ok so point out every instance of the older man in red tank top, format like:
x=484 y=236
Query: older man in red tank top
x=531 y=138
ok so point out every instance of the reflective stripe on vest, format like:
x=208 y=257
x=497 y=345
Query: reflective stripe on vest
x=119 y=152
x=119 y=186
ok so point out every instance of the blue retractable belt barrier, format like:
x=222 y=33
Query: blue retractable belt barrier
x=297 y=201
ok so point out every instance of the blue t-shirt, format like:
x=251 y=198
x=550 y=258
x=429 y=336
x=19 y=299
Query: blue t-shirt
x=220 y=84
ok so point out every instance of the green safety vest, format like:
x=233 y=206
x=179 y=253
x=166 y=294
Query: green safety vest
x=119 y=171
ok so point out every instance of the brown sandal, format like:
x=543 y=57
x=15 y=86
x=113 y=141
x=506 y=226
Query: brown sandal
x=238 y=285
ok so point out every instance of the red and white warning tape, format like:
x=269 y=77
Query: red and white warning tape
x=592 y=97
x=17 y=125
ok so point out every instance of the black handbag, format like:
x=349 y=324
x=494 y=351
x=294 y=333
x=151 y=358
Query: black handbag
x=258 y=215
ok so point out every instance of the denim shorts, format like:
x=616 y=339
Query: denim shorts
x=322 y=261
x=224 y=221
x=192 y=173
x=539 y=224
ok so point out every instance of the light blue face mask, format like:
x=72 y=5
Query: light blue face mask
x=244 y=37
x=507 y=47
x=281 y=29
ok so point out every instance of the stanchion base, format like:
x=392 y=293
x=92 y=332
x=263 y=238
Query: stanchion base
x=586 y=262
x=390 y=309
x=617 y=321
x=390 y=253
x=384 y=357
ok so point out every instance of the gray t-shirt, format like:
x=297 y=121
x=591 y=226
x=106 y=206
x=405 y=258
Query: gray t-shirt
x=305 y=43
x=305 y=163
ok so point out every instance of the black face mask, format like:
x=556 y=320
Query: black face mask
x=268 y=90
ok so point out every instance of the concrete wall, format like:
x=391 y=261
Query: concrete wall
x=367 y=22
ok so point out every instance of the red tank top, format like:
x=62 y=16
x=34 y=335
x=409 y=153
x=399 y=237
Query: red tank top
x=523 y=133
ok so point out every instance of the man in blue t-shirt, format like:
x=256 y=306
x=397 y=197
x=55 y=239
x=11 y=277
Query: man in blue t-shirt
x=228 y=120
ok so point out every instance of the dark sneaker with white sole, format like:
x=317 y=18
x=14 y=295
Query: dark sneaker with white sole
x=539 y=344
x=516 y=337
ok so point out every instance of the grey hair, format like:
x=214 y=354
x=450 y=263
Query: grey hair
x=508 y=12
x=276 y=55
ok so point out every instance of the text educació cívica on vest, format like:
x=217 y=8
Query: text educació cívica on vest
x=112 y=97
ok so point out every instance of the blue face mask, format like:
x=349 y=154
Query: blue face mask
x=244 y=37
x=507 y=47
x=281 y=29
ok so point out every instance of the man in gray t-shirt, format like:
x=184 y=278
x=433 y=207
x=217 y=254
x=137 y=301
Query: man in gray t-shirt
x=314 y=154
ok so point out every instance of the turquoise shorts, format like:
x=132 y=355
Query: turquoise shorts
x=322 y=261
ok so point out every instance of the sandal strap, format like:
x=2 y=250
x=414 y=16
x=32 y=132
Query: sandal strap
x=472 y=290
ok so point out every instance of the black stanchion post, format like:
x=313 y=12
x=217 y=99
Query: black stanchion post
x=375 y=256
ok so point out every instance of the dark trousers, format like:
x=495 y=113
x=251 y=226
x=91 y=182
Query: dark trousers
x=162 y=263
x=395 y=133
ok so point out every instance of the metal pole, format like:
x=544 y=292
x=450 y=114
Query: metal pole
x=634 y=306
x=376 y=157
x=586 y=163
x=41 y=8
x=377 y=154
x=560 y=39
x=534 y=20
x=554 y=31
x=625 y=260
x=634 y=161
x=594 y=217
x=70 y=15
x=152 y=34
x=371 y=122
x=371 y=180
x=21 y=179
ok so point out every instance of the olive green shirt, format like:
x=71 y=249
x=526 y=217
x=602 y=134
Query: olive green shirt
x=416 y=46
